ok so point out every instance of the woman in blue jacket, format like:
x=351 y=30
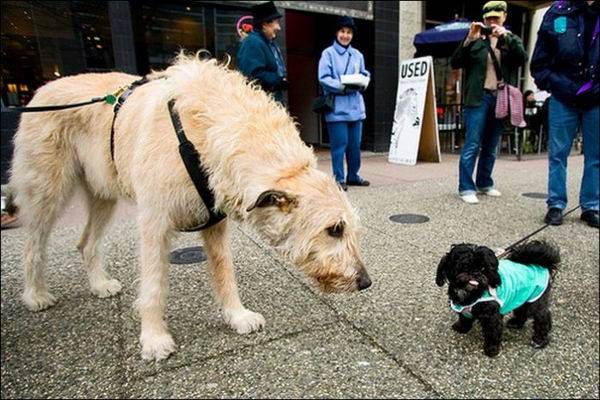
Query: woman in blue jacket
x=344 y=123
x=565 y=63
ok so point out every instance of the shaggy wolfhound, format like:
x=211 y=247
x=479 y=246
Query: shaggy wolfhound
x=259 y=169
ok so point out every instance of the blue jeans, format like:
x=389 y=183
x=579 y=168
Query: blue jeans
x=564 y=121
x=345 y=139
x=483 y=131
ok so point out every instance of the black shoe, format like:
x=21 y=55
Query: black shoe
x=343 y=186
x=554 y=216
x=591 y=217
x=362 y=182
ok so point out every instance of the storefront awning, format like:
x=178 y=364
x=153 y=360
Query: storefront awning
x=441 y=41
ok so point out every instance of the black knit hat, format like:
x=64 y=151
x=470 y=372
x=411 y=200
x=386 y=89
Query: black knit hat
x=264 y=12
x=345 y=21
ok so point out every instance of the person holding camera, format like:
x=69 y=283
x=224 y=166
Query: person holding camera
x=565 y=63
x=259 y=57
x=344 y=122
x=482 y=129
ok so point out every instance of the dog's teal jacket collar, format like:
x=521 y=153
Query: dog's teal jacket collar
x=520 y=284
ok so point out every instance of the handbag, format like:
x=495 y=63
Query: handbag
x=325 y=103
x=509 y=100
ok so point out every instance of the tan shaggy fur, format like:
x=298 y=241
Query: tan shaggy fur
x=261 y=172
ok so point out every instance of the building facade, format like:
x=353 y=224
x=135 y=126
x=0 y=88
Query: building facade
x=45 y=40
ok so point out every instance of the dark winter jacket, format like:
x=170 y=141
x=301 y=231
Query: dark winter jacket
x=256 y=60
x=473 y=58
x=563 y=60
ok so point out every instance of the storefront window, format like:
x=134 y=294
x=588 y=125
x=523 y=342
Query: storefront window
x=227 y=40
x=44 y=40
x=171 y=27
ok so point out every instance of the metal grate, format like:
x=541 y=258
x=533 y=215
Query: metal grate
x=187 y=255
x=409 y=218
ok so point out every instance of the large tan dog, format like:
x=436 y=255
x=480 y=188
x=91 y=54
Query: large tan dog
x=260 y=170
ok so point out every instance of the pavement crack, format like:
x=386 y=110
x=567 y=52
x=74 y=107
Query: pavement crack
x=288 y=335
x=342 y=318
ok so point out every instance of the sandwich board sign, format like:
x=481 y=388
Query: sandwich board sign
x=415 y=129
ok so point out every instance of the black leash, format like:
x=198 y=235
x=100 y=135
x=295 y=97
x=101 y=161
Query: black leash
x=510 y=248
x=58 y=107
x=193 y=165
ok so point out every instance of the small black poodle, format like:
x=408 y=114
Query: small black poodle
x=481 y=287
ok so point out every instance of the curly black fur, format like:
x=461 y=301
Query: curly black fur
x=470 y=269
x=537 y=252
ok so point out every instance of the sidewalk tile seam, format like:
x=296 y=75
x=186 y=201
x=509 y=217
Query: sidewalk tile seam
x=344 y=320
x=314 y=328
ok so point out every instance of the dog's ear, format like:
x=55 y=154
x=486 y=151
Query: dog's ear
x=275 y=198
x=487 y=258
x=441 y=277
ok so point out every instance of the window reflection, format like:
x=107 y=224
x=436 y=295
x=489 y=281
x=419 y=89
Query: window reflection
x=170 y=27
x=44 y=40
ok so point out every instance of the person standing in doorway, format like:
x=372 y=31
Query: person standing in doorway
x=344 y=122
x=259 y=58
x=565 y=63
x=482 y=129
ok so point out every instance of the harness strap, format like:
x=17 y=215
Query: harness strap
x=193 y=165
x=116 y=109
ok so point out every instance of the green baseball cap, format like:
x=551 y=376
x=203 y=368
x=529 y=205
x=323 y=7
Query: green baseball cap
x=494 y=9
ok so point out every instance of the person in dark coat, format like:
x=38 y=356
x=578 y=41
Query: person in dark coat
x=565 y=63
x=483 y=130
x=259 y=58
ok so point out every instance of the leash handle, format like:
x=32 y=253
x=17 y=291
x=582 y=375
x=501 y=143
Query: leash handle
x=510 y=248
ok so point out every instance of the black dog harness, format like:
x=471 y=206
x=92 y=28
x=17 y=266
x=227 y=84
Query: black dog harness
x=189 y=155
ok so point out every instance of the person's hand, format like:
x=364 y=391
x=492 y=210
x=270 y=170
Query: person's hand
x=474 y=31
x=499 y=31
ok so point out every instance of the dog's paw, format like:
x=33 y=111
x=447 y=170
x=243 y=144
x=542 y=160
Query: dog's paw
x=157 y=346
x=460 y=327
x=515 y=323
x=38 y=300
x=244 y=321
x=106 y=288
x=491 y=351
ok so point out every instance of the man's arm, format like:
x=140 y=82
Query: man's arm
x=253 y=65
x=543 y=54
x=516 y=54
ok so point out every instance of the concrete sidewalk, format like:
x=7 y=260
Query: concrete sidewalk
x=390 y=341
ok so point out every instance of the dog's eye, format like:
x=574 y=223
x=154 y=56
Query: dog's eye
x=336 y=230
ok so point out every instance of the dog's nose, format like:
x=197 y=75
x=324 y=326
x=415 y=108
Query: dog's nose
x=363 y=281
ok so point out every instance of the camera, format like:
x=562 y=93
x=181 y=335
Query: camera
x=486 y=30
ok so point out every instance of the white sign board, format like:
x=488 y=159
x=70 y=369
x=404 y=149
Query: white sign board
x=415 y=129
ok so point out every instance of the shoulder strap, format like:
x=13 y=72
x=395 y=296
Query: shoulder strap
x=347 y=62
x=494 y=61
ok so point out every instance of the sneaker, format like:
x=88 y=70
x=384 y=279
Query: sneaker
x=554 y=216
x=362 y=182
x=491 y=192
x=343 y=186
x=469 y=198
x=591 y=217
